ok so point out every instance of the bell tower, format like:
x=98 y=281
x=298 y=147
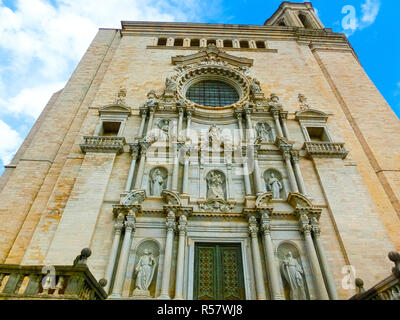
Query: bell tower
x=290 y=14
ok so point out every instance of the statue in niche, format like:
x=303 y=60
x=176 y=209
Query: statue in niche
x=255 y=86
x=157 y=183
x=293 y=274
x=145 y=270
x=151 y=100
x=164 y=125
x=275 y=186
x=215 y=184
x=264 y=132
x=170 y=84
x=214 y=134
x=273 y=102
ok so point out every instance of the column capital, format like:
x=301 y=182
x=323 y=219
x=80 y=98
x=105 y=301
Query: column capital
x=130 y=223
x=134 y=149
x=266 y=220
x=316 y=229
x=295 y=155
x=239 y=113
x=182 y=225
x=283 y=115
x=144 y=146
x=248 y=112
x=143 y=111
x=120 y=223
x=304 y=223
x=189 y=113
x=253 y=226
x=170 y=223
x=275 y=112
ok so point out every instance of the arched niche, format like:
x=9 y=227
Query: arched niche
x=216 y=185
x=292 y=270
x=265 y=132
x=158 y=181
x=269 y=176
x=154 y=247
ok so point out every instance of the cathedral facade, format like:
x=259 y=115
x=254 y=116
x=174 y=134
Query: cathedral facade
x=207 y=161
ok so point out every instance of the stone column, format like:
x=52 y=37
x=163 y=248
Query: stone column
x=180 y=122
x=273 y=274
x=143 y=113
x=139 y=179
x=151 y=118
x=134 y=152
x=275 y=114
x=292 y=178
x=249 y=124
x=246 y=172
x=188 y=123
x=230 y=183
x=114 y=251
x=305 y=227
x=330 y=282
x=166 y=273
x=124 y=255
x=185 y=184
x=175 y=172
x=297 y=171
x=240 y=123
x=260 y=285
x=283 y=116
x=180 y=263
x=257 y=173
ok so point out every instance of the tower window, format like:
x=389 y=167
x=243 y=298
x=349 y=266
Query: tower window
x=178 y=43
x=162 y=42
x=195 y=43
x=212 y=93
x=304 y=20
x=260 y=44
x=244 y=44
x=228 y=44
x=212 y=41
x=282 y=23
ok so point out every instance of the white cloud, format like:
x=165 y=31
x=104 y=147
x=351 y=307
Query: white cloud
x=351 y=23
x=370 y=10
x=9 y=142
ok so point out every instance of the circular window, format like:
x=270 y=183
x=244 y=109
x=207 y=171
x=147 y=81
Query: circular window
x=212 y=93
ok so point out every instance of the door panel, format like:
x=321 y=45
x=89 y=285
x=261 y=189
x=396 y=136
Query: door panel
x=218 y=272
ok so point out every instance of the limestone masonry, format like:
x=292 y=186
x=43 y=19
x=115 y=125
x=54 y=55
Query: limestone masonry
x=210 y=161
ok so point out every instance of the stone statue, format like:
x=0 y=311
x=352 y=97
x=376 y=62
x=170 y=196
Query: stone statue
x=215 y=135
x=164 y=125
x=264 y=132
x=145 y=270
x=151 y=99
x=275 y=186
x=170 y=84
x=274 y=102
x=303 y=102
x=255 y=86
x=157 y=181
x=293 y=274
x=215 y=183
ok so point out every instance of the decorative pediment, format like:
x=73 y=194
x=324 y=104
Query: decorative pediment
x=263 y=200
x=115 y=109
x=297 y=200
x=217 y=206
x=312 y=114
x=134 y=197
x=171 y=198
x=212 y=55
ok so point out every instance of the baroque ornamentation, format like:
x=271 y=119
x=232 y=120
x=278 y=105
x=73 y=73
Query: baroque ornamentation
x=171 y=198
x=217 y=206
x=264 y=132
x=293 y=274
x=303 y=102
x=134 y=197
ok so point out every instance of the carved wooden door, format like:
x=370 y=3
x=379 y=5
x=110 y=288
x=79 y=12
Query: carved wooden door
x=218 y=272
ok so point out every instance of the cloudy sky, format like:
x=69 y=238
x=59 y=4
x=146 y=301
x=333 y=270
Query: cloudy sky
x=41 y=42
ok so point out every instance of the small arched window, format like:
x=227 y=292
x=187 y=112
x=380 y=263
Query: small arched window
x=304 y=20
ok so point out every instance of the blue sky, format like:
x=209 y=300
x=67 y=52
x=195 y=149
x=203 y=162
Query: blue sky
x=41 y=42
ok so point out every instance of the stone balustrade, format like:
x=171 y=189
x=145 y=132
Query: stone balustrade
x=103 y=144
x=388 y=289
x=325 y=150
x=51 y=282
